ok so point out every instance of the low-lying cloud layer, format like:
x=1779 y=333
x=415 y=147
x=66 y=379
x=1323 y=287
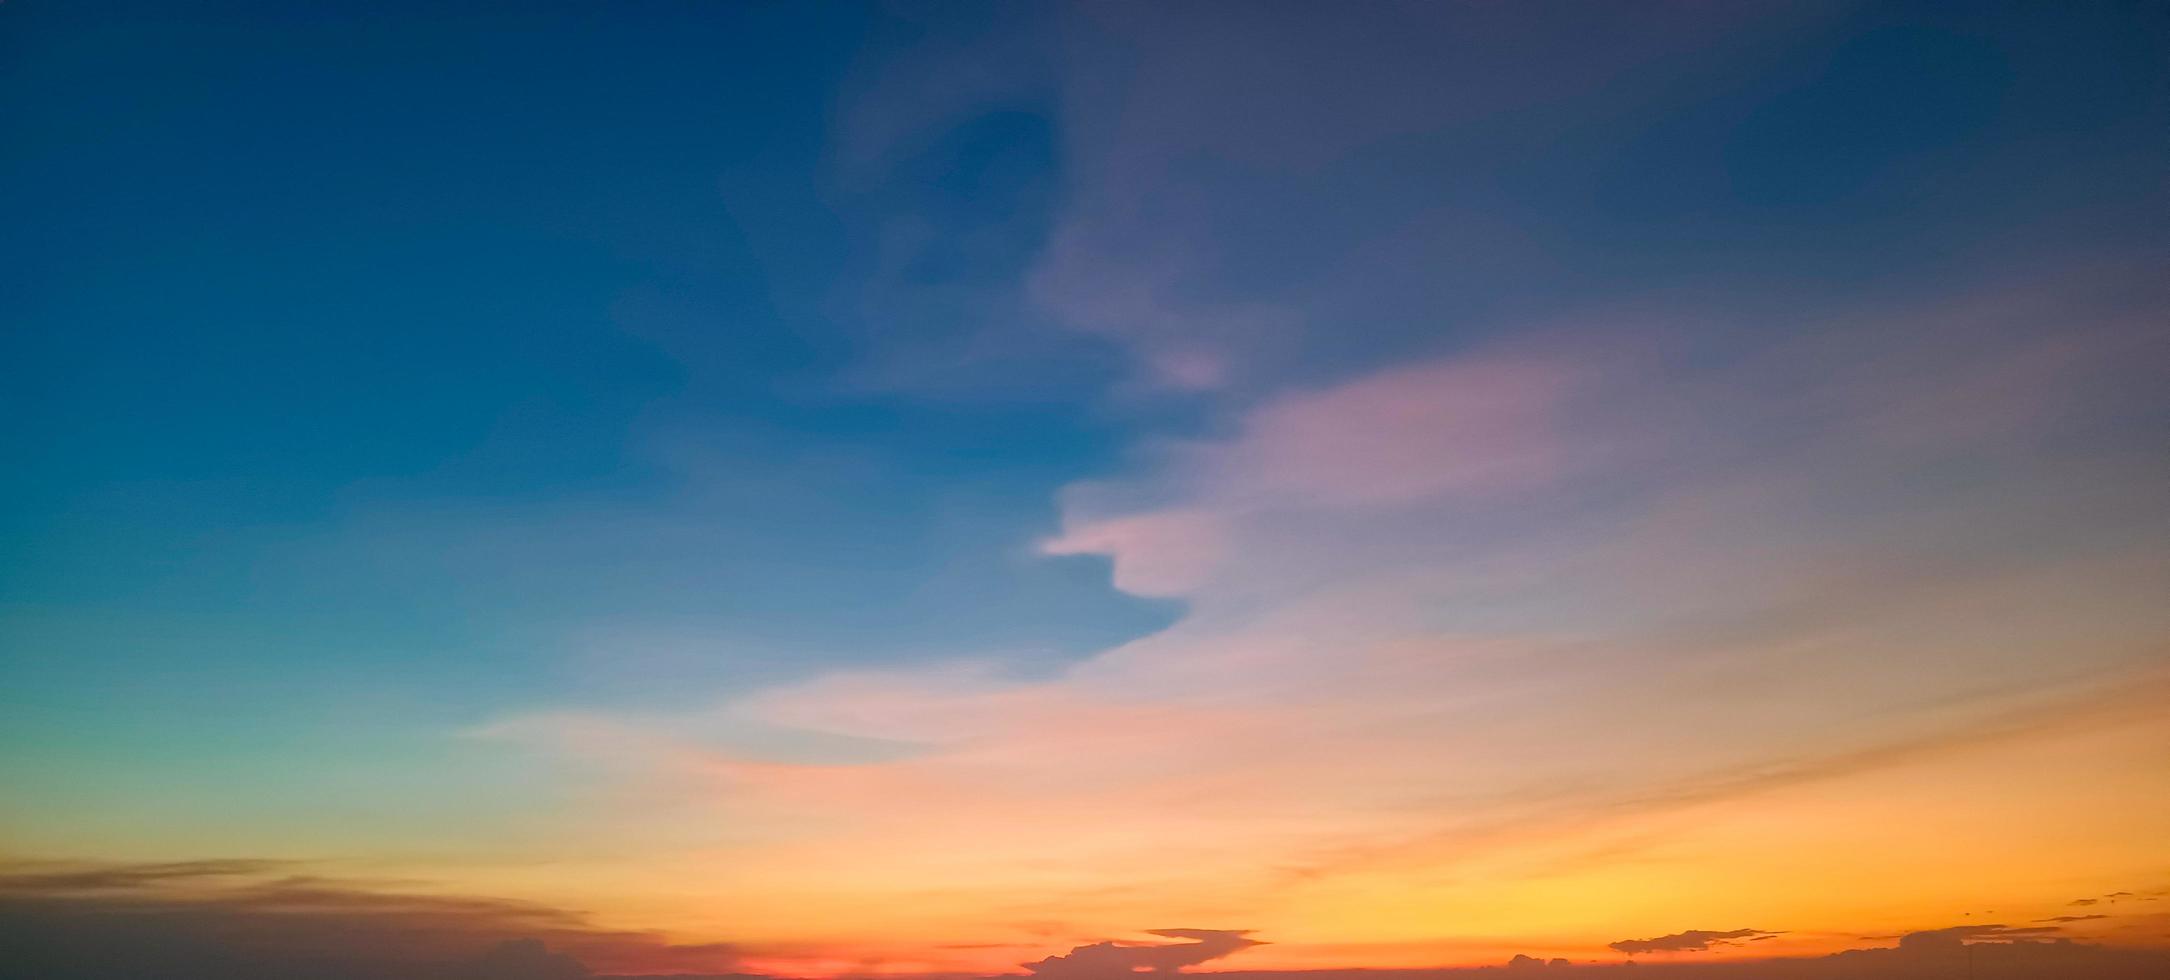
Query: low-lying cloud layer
x=267 y=920
x=1988 y=932
x=264 y=920
x=1113 y=957
x=1693 y=940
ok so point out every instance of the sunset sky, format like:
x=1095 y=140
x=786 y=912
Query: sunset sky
x=816 y=489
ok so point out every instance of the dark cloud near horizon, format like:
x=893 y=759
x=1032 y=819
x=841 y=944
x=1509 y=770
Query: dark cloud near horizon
x=1113 y=957
x=1989 y=932
x=1693 y=940
x=235 y=921
x=2017 y=959
x=240 y=920
x=69 y=876
x=2111 y=898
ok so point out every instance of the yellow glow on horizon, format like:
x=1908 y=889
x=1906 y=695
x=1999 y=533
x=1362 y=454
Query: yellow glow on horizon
x=1924 y=843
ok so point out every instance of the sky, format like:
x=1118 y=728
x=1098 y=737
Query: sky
x=820 y=489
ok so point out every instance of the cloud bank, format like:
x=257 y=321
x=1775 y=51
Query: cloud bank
x=266 y=920
x=1114 y=957
x=1693 y=940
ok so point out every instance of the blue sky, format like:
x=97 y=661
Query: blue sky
x=379 y=280
x=380 y=375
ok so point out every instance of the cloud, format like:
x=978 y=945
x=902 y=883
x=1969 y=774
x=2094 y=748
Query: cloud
x=1234 y=197
x=1203 y=156
x=1463 y=425
x=1161 y=554
x=1693 y=940
x=2072 y=918
x=1956 y=935
x=528 y=959
x=1115 y=957
x=1990 y=961
x=2013 y=957
x=65 y=876
x=239 y=920
x=1470 y=429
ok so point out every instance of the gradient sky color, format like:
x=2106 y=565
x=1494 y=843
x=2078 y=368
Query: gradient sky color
x=820 y=489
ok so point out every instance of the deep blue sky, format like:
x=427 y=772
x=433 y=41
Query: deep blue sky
x=286 y=273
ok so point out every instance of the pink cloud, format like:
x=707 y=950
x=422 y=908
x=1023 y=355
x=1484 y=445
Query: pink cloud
x=1166 y=553
x=1322 y=472
x=1462 y=425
